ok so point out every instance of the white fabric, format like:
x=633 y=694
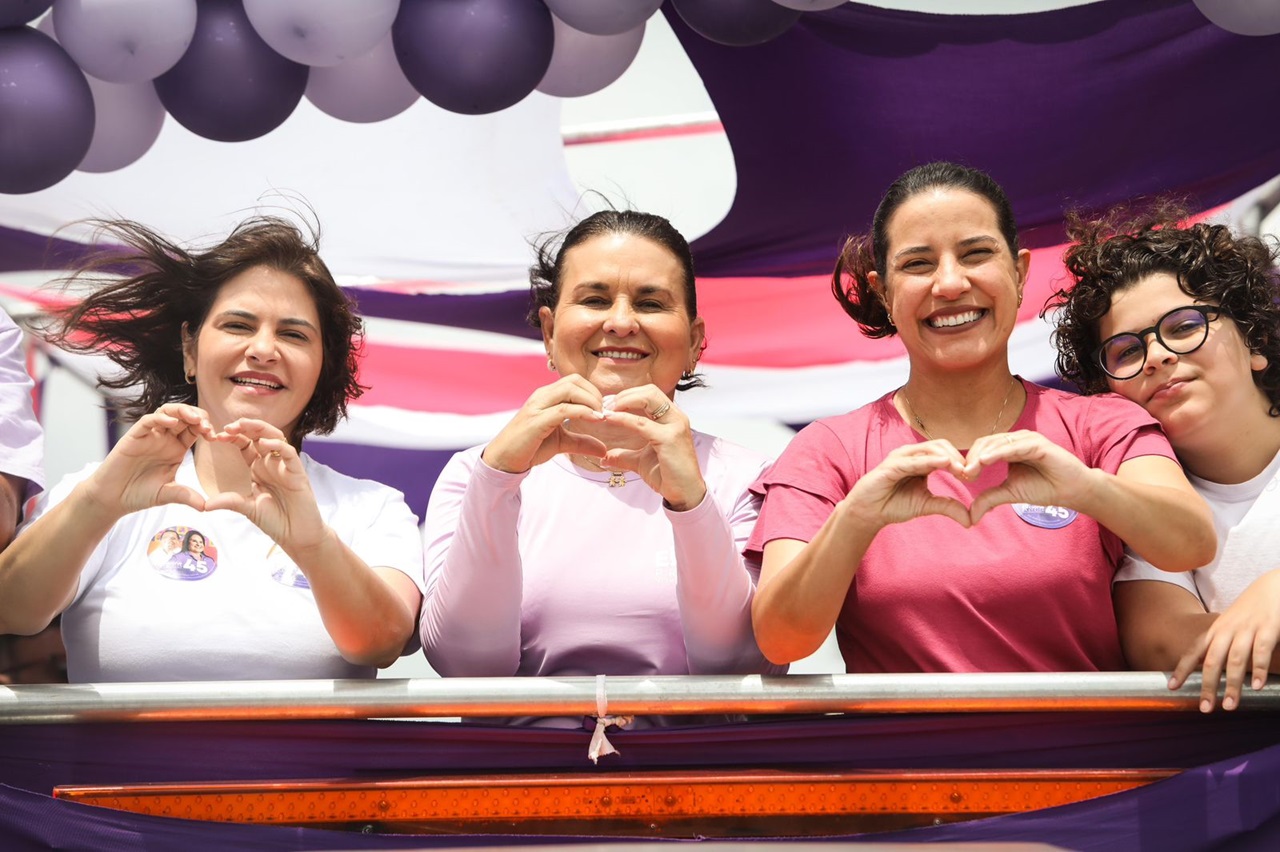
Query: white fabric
x=457 y=195
x=244 y=614
x=1247 y=519
x=554 y=573
x=21 y=440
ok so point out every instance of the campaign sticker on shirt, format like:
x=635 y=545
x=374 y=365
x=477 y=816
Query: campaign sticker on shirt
x=182 y=553
x=284 y=570
x=1046 y=517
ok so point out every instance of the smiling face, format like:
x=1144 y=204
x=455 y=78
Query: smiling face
x=258 y=353
x=621 y=320
x=1191 y=394
x=952 y=283
x=195 y=544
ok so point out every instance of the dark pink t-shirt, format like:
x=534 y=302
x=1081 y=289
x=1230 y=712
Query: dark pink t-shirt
x=1027 y=589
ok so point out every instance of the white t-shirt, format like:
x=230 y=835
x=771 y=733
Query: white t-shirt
x=21 y=440
x=224 y=603
x=1247 y=519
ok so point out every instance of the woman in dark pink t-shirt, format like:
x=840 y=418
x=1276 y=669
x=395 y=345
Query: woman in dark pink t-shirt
x=969 y=521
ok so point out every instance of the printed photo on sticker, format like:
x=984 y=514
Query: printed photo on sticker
x=182 y=553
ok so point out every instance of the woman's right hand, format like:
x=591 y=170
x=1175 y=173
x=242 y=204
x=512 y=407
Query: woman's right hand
x=138 y=472
x=537 y=432
x=897 y=489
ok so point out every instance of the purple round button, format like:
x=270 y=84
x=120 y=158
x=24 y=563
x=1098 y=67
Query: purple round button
x=1046 y=517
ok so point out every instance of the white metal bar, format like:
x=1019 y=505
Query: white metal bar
x=576 y=696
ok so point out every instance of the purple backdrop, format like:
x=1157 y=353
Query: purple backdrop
x=1084 y=107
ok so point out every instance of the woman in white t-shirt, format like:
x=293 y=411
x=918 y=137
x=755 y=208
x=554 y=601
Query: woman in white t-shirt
x=1185 y=321
x=229 y=357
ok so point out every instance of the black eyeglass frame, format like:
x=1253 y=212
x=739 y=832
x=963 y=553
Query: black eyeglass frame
x=1209 y=312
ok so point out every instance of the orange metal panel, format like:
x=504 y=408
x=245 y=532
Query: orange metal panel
x=671 y=803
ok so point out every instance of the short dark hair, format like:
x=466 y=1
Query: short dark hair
x=549 y=255
x=863 y=253
x=136 y=321
x=1111 y=253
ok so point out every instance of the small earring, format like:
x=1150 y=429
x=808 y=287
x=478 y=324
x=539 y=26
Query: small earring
x=190 y=377
x=889 y=315
x=1019 y=298
x=551 y=365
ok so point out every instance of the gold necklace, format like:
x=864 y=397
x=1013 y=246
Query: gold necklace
x=617 y=478
x=906 y=400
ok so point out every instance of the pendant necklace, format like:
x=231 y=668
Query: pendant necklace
x=617 y=478
x=906 y=400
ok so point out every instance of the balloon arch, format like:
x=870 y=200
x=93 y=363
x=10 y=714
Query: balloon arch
x=89 y=87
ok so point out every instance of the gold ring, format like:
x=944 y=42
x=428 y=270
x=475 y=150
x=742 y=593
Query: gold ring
x=662 y=409
x=274 y=454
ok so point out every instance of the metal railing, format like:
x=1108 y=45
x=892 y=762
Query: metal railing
x=578 y=696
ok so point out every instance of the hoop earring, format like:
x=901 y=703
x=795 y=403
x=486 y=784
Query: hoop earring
x=190 y=377
x=551 y=365
x=889 y=315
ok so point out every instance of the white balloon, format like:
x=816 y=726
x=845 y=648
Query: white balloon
x=582 y=63
x=125 y=41
x=811 y=5
x=321 y=32
x=1243 y=17
x=367 y=88
x=603 y=17
x=129 y=118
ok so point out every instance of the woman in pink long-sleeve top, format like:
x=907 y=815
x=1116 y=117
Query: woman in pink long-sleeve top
x=598 y=533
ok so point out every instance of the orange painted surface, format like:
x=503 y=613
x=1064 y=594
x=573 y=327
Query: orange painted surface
x=677 y=803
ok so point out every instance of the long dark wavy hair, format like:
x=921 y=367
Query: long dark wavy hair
x=137 y=320
x=548 y=267
x=1211 y=264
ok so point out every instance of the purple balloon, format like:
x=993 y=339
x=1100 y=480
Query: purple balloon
x=737 y=23
x=603 y=17
x=230 y=86
x=473 y=56
x=15 y=13
x=46 y=112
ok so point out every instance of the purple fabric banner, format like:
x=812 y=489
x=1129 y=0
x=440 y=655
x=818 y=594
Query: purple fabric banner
x=1228 y=795
x=1079 y=107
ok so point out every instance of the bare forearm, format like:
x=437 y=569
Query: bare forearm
x=797 y=603
x=11 y=491
x=368 y=619
x=39 y=571
x=1169 y=527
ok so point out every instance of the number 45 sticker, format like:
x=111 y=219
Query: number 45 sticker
x=1047 y=517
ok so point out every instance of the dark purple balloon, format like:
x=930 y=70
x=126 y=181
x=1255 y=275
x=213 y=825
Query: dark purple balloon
x=473 y=56
x=737 y=23
x=230 y=86
x=15 y=13
x=46 y=111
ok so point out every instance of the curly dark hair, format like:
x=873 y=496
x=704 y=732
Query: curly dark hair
x=1211 y=264
x=864 y=253
x=550 y=252
x=137 y=321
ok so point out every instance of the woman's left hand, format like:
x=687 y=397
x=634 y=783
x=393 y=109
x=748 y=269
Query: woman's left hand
x=1040 y=472
x=280 y=501
x=667 y=462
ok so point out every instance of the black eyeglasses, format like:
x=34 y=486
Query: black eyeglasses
x=1181 y=331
